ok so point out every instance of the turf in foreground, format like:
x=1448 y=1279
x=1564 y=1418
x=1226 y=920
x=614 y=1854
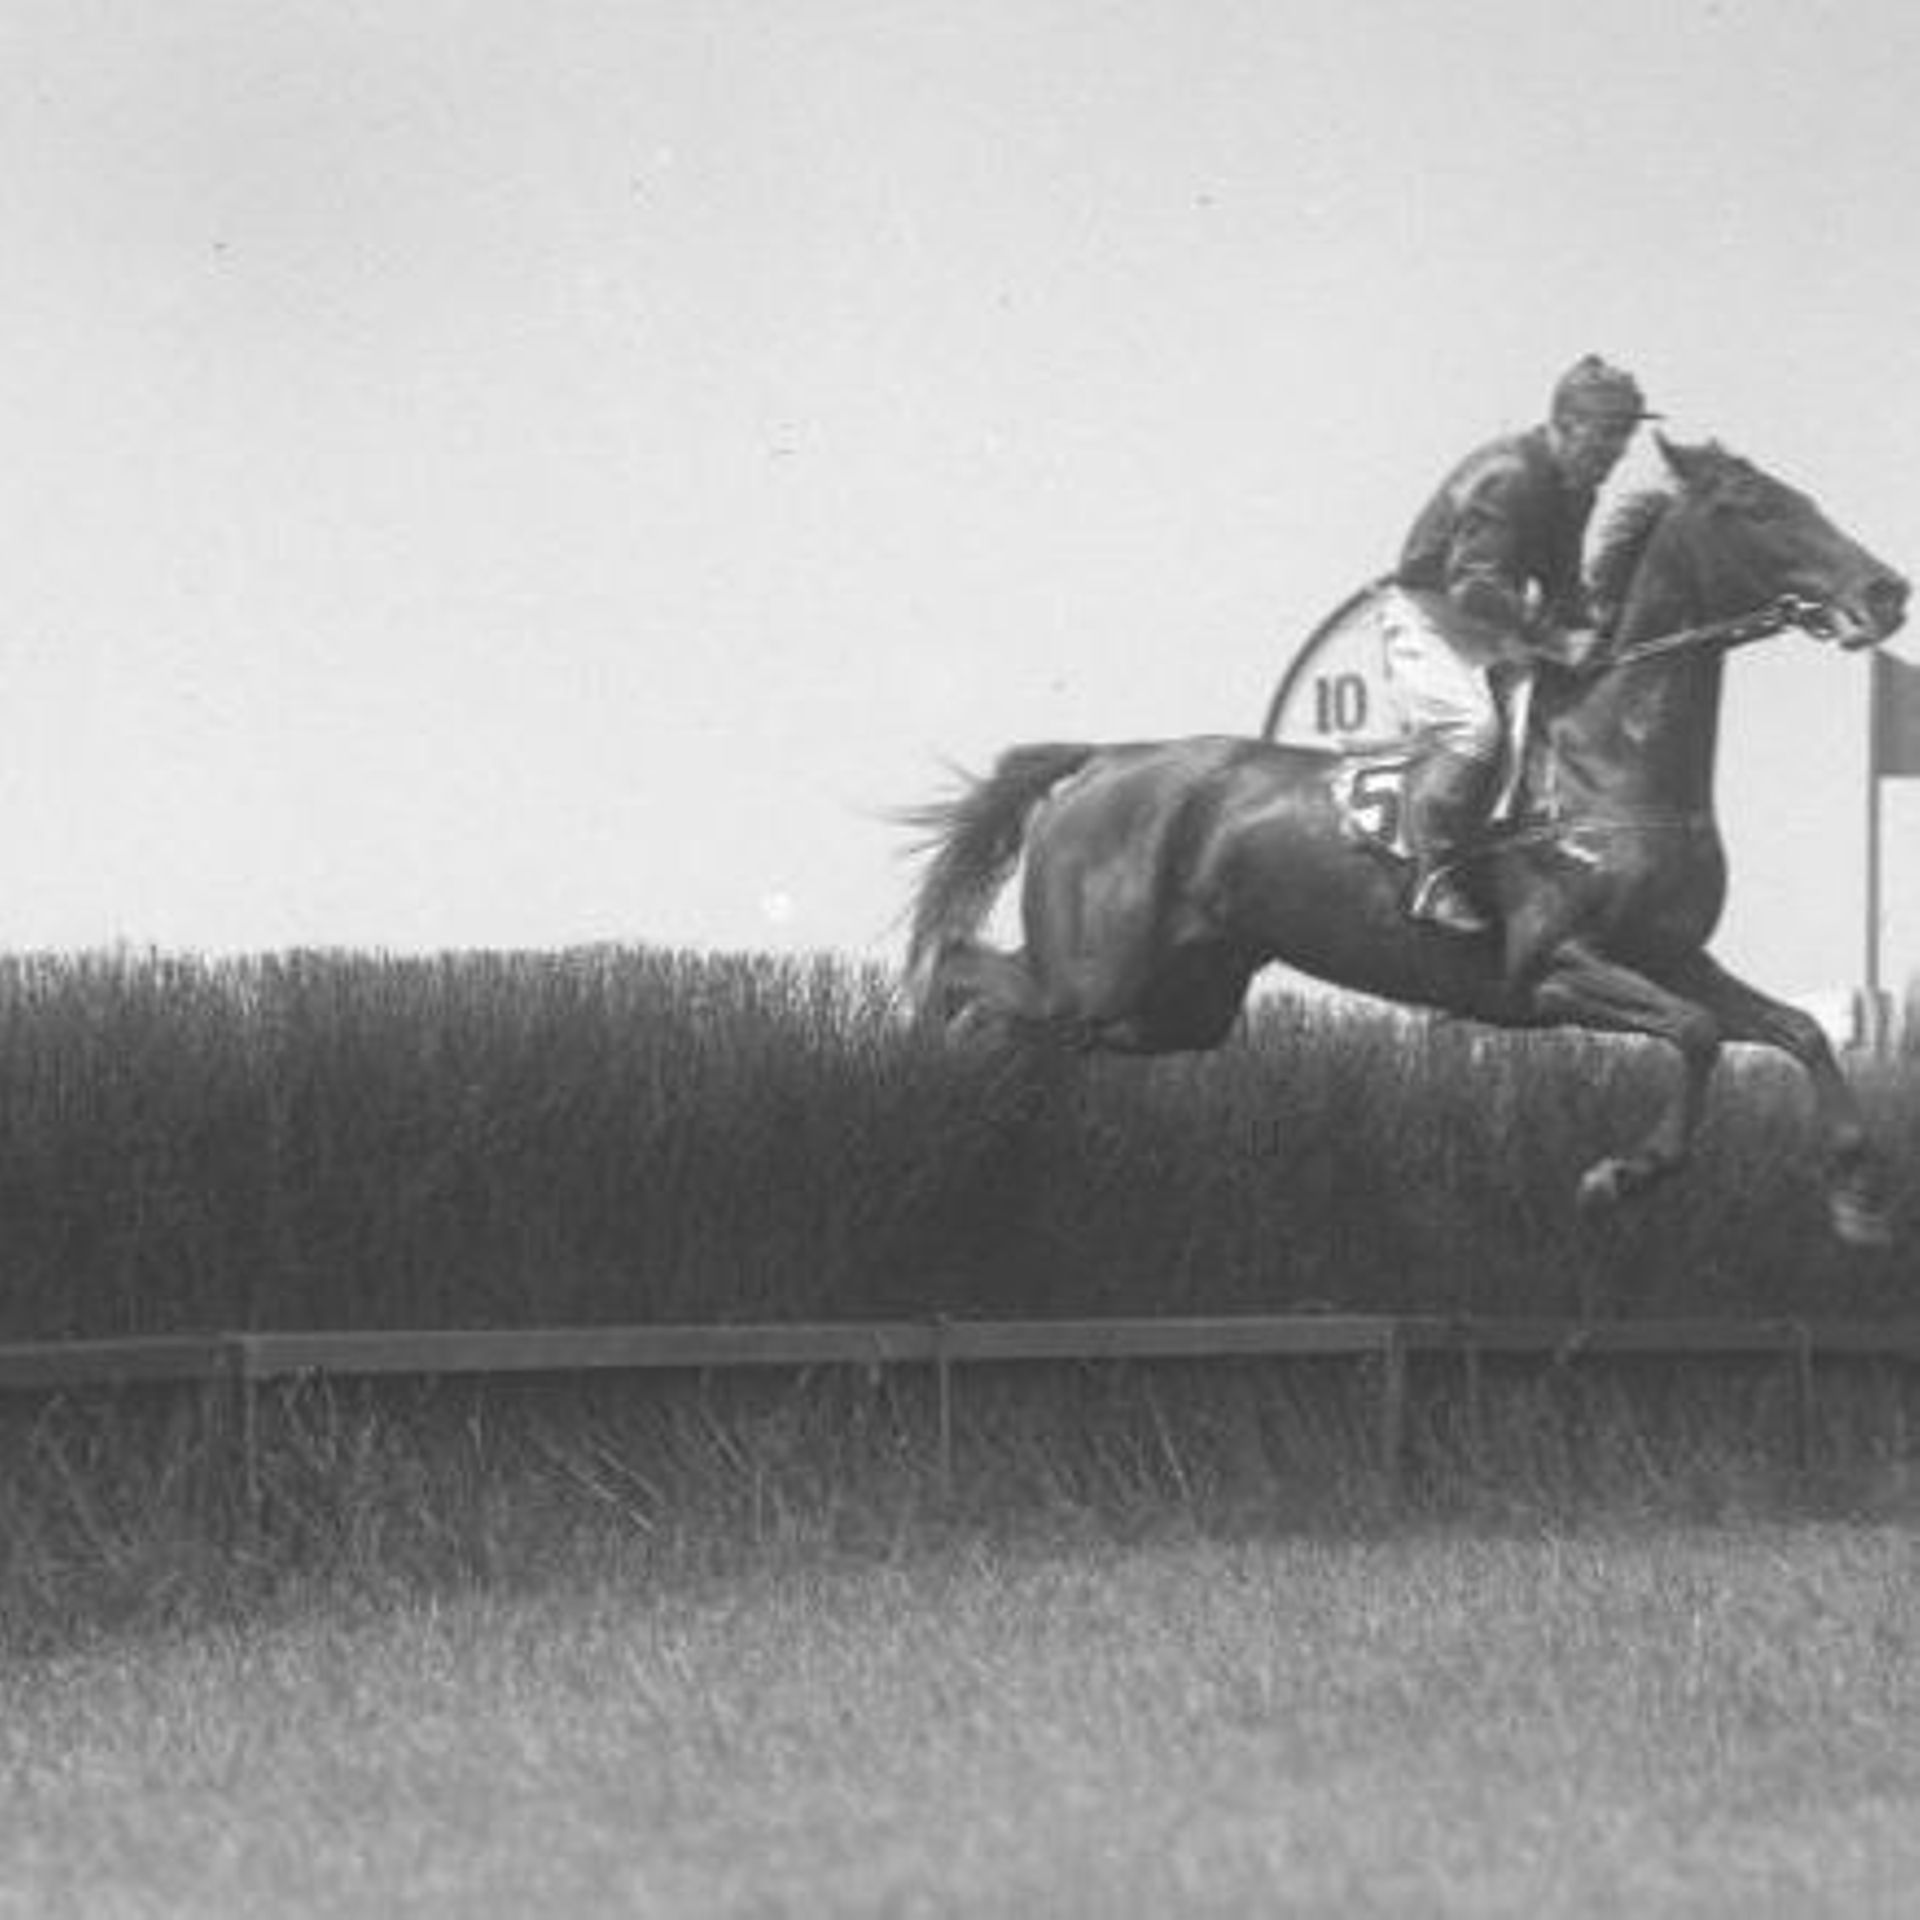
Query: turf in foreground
x=1715 y=1720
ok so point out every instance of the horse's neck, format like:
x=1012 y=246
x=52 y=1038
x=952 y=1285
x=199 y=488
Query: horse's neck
x=1642 y=738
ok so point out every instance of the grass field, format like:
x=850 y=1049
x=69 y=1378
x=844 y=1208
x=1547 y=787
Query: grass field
x=734 y=1646
x=1615 y=1720
x=1165 y=1646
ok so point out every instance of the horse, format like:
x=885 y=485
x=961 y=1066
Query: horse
x=1160 y=876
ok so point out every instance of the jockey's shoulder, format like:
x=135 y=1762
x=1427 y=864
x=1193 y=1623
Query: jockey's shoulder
x=1510 y=460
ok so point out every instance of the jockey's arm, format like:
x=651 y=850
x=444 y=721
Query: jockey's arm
x=1486 y=570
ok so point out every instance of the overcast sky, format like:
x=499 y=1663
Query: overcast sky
x=509 y=472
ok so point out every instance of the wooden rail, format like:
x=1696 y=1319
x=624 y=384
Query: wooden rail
x=260 y=1356
x=246 y=1361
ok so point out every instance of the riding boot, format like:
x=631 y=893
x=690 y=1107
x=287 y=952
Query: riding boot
x=1445 y=795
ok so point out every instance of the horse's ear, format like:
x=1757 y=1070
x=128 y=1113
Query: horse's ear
x=1691 y=465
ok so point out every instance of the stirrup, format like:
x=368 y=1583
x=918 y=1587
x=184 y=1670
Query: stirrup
x=1440 y=901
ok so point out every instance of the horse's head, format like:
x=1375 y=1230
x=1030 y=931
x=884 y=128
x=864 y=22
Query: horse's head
x=1753 y=540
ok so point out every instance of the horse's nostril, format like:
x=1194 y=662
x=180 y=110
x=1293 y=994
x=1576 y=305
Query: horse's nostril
x=1887 y=601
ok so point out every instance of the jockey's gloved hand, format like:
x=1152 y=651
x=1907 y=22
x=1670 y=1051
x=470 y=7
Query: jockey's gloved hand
x=1574 y=647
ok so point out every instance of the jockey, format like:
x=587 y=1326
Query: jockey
x=1491 y=574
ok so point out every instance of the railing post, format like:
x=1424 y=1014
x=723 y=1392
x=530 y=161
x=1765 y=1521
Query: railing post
x=1800 y=1358
x=1393 y=1406
x=943 y=1403
x=1470 y=1365
x=246 y=1393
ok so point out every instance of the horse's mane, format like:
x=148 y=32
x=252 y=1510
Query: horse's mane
x=1623 y=541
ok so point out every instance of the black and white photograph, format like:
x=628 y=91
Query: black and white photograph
x=959 y=960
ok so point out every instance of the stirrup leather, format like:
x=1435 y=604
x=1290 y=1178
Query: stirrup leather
x=1439 y=900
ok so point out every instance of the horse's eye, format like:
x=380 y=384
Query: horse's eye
x=1753 y=502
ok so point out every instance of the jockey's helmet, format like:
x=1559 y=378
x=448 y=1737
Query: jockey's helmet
x=1590 y=389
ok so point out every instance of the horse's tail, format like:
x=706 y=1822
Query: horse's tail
x=974 y=841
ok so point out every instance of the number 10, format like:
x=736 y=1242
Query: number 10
x=1339 y=703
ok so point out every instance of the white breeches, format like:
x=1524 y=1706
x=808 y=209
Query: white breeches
x=1439 y=694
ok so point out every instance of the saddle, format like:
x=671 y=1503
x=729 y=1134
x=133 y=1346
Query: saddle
x=1369 y=791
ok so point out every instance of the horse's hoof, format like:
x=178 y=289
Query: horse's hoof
x=1860 y=1222
x=1602 y=1187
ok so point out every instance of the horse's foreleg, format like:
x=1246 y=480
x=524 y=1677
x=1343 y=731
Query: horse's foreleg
x=1856 y=1199
x=1582 y=988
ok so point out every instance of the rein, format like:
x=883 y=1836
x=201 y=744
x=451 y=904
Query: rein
x=1790 y=610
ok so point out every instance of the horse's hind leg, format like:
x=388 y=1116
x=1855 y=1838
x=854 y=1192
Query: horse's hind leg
x=973 y=991
x=1189 y=1006
x=1856 y=1200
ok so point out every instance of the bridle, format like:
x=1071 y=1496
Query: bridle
x=1789 y=610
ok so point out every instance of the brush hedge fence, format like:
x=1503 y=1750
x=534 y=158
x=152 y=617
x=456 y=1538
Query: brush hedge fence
x=343 y=1140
